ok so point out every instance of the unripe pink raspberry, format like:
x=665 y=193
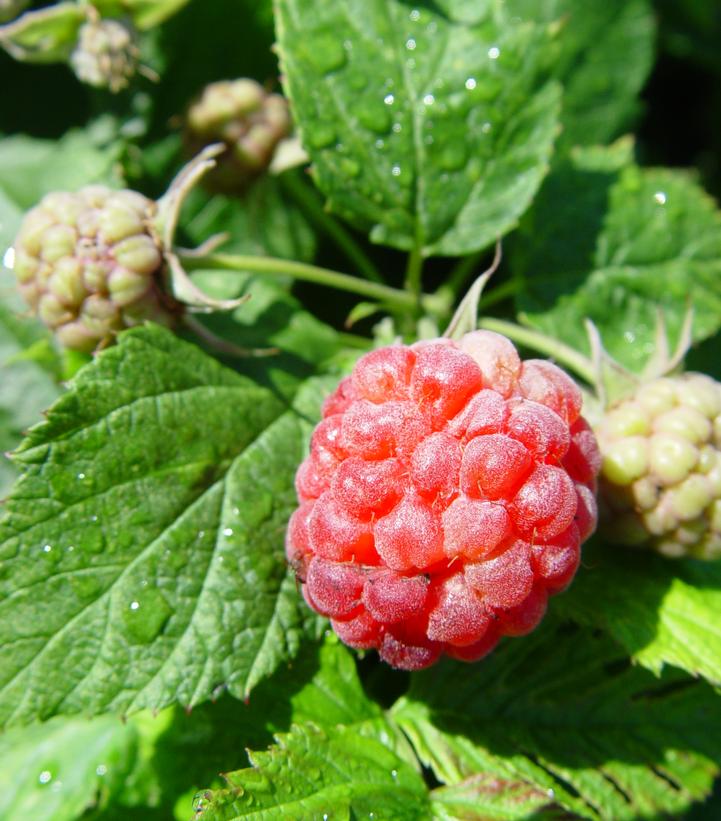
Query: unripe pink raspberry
x=448 y=489
x=661 y=474
x=89 y=264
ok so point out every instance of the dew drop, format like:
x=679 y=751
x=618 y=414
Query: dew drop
x=146 y=616
x=410 y=44
x=47 y=548
x=453 y=156
x=380 y=144
x=327 y=54
x=321 y=136
x=45 y=777
x=396 y=170
x=228 y=531
x=9 y=258
x=471 y=83
x=81 y=476
x=373 y=117
x=429 y=99
x=494 y=53
x=394 y=774
x=660 y=197
x=349 y=167
x=415 y=16
x=101 y=769
x=389 y=99
x=397 y=128
x=486 y=127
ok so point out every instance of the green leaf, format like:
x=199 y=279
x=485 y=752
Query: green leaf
x=663 y=612
x=489 y=798
x=444 y=151
x=27 y=388
x=58 y=770
x=145 y=14
x=45 y=36
x=603 y=53
x=30 y=168
x=615 y=244
x=563 y=711
x=262 y=222
x=141 y=554
x=311 y=773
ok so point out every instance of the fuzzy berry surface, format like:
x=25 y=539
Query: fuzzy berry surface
x=661 y=476
x=447 y=492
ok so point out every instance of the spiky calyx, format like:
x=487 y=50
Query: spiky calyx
x=661 y=475
x=90 y=264
x=106 y=54
x=446 y=495
x=247 y=119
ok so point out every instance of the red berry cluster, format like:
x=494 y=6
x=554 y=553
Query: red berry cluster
x=446 y=495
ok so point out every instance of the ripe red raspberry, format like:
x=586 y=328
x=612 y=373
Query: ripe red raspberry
x=446 y=495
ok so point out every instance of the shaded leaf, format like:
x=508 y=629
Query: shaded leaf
x=603 y=53
x=664 y=612
x=562 y=711
x=445 y=151
x=614 y=242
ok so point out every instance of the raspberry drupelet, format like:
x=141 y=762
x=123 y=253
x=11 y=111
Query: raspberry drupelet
x=447 y=492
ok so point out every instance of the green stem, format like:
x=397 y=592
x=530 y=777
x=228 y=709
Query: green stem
x=543 y=344
x=414 y=272
x=270 y=266
x=307 y=199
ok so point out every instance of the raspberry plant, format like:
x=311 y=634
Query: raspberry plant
x=249 y=529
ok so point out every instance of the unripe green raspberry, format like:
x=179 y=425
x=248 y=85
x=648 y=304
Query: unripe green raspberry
x=661 y=474
x=10 y=9
x=106 y=55
x=247 y=119
x=90 y=264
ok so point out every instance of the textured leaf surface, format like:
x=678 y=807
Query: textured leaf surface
x=141 y=554
x=428 y=125
x=562 y=711
x=603 y=53
x=663 y=612
x=311 y=773
x=56 y=771
x=615 y=244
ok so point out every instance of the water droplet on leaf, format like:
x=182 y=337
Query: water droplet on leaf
x=146 y=616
